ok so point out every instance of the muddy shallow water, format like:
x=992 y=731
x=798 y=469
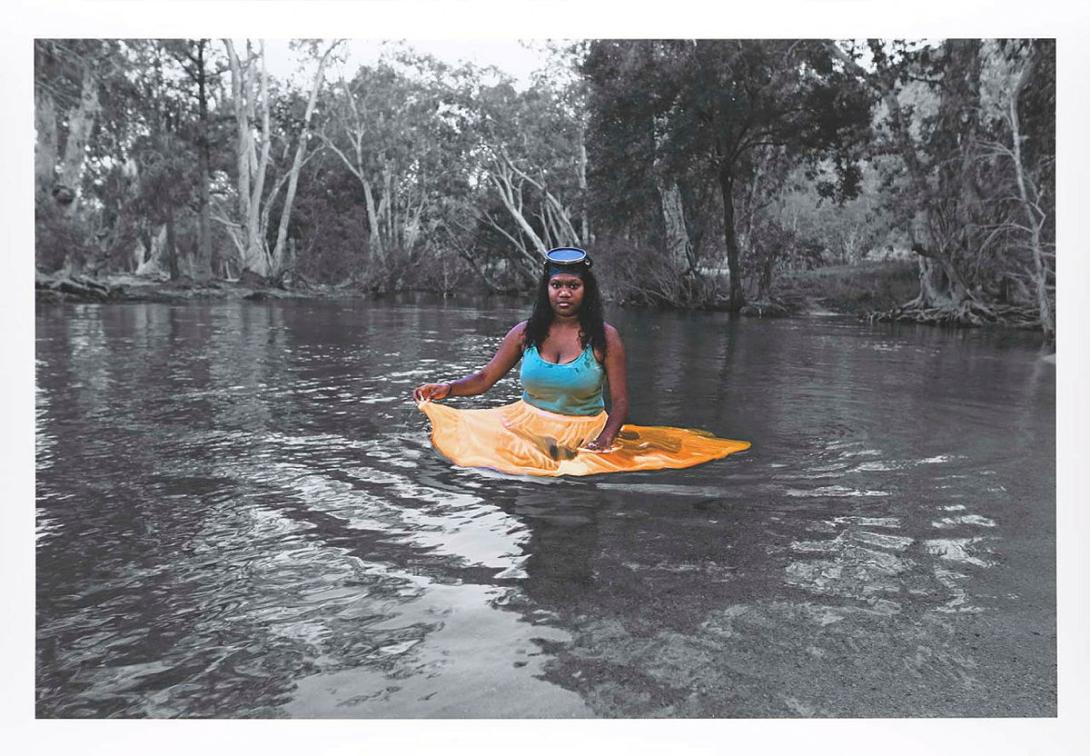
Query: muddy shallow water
x=239 y=514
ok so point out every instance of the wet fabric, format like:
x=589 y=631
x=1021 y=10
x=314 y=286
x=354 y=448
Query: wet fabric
x=567 y=388
x=521 y=439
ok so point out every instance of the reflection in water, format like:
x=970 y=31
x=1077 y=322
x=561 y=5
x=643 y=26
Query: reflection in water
x=239 y=514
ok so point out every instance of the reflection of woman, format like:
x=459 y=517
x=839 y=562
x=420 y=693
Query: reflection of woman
x=560 y=426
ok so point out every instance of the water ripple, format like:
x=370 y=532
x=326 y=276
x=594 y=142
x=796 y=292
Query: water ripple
x=239 y=514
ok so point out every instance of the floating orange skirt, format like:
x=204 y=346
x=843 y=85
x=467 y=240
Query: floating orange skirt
x=524 y=440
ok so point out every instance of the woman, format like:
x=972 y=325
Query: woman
x=560 y=426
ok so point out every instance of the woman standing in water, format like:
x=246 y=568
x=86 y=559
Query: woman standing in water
x=560 y=426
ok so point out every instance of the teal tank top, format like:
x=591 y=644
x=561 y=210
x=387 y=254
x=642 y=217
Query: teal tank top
x=569 y=388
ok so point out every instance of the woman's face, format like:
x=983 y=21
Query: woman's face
x=566 y=294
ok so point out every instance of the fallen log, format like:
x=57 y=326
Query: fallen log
x=79 y=288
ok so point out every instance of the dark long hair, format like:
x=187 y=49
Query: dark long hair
x=592 y=324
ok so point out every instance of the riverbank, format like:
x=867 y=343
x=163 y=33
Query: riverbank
x=850 y=290
x=857 y=290
x=883 y=291
x=131 y=288
x=874 y=291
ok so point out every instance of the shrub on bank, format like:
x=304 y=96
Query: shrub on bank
x=636 y=275
x=56 y=237
x=852 y=289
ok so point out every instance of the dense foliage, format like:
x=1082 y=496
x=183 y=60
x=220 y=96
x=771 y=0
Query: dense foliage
x=698 y=172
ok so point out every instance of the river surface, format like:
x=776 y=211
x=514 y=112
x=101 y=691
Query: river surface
x=239 y=514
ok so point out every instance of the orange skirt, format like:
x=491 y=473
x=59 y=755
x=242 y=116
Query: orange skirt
x=521 y=439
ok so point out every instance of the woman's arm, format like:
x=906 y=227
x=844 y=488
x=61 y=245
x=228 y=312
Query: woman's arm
x=508 y=354
x=617 y=375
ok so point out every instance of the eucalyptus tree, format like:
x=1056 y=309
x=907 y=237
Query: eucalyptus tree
x=390 y=129
x=99 y=106
x=631 y=100
x=560 y=74
x=198 y=60
x=1022 y=103
x=953 y=114
x=168 y=136
x=73 y=81
x=528 y=167
x=68 y=79
x=712 y=106
x=941 y=167
x=252 y=101
x=161 y=156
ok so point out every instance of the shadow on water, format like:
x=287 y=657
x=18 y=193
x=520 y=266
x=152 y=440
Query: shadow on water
x=239 y=514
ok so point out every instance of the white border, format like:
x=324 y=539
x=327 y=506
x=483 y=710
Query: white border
x=475 y=19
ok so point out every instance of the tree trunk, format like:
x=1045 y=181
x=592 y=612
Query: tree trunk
x=142 y=253
x=584 y=218
x=734 y=254
x=81 y=120
x=172 y=245
x=941 y=284
x=958 y=129
x=511 y=196
x=942 y=232
x=256 y=242
x=375 y=253
x=251 y=169
x=203 y=267
x=935 y=285
x=766 y=262
x=296 y=164
x=679 y=248
x=243 y=140
x=1033 y=214
x=932 y=235
x=45 y=143
x=385 y=208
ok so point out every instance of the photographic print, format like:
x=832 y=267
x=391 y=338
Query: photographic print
x=701 y=378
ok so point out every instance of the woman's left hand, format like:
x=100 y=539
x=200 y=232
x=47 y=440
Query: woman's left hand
x=599 y=445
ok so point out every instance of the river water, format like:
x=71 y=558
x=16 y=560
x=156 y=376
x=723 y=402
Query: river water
x=239 y=514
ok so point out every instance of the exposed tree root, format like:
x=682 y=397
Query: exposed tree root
x=968 y=314
x=765 y=308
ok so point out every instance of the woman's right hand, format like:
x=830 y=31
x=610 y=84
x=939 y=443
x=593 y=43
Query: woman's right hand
x=429 y=392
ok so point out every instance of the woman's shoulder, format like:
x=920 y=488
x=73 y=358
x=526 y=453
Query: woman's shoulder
x=612 y=334
x=517 y=334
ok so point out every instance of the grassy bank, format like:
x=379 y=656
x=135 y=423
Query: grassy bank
x=849 y=289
